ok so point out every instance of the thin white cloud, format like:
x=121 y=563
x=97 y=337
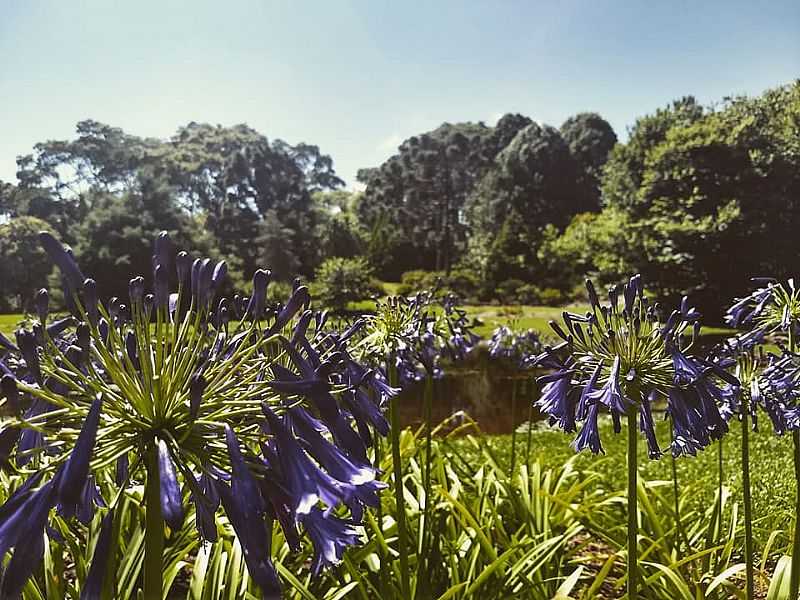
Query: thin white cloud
x=494 y=118
x=390 y=143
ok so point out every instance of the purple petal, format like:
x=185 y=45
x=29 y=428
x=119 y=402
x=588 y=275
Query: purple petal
x=63 y=260
x=171 y=503
x=76 y=469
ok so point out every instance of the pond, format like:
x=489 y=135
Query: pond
x=481 y=387
x=492 y=392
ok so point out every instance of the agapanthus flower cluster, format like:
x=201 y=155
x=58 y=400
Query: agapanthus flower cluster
x=514 y=346
x=769 y=381
x=778 y=392
x=744 y=356
x=226 y=403
x=621 y=357
x=415 y=333
x=774 y=306
x=772 y=310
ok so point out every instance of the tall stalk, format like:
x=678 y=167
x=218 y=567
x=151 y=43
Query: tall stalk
x=676 y=495
x=426 y=513
x=748 y=510
x=633 y=437
x=527 y=396
x=154 y=530
x=794 y=580
x=720 y=482
x=382 y=562
x=513 y=428
x=714 y=530
x=397 y=469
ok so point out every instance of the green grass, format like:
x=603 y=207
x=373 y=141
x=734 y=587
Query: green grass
x=8 y=323
x=772 y=471
x=490 y=317
x=519 y=316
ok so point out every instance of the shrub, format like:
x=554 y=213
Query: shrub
x=278 y=291
x=552 y=297
x=342 y=280
x=529 y=294
x=507 y=291
x=418 y=279
x=465 y=283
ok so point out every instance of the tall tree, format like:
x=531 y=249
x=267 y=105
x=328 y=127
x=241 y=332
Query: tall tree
x=115 y=239
x=534 y=183
x=231 y=180
x=708 y=198
x=419 y=193
x=590 y=139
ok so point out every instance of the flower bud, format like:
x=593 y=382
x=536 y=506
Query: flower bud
x=42 y=305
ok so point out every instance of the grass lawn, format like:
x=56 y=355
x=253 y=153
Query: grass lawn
x=519 y=317
x=8 y=323
x=490 y=317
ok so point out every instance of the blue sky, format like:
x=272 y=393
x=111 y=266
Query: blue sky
x=357 y=77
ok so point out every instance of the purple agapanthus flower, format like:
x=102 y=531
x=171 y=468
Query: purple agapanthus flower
x=156 y=384
x=330 y=535
x=620 y=357
x=514 y=346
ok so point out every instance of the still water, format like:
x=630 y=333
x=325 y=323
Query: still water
x=481 y=387
x=492 y=392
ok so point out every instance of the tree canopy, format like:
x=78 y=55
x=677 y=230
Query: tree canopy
x=707 y=198
x=697 y=199
x=228 y=191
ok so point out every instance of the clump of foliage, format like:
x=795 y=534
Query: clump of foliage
x=339 y=281
x=692 y=198
x=464 y=283
x=24 y=266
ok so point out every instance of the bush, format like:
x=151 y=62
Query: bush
x=342 y=280
x=462 y=282
x=416 y=280
x=529 y=294
x=465 y=283
x=278 y=291
x=552 y=297
x=24 y=266
x=507 y=291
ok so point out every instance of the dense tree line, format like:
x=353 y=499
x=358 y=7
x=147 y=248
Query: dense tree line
x=227 y=192
x=697 y=199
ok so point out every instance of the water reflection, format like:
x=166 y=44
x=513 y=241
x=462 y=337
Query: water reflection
x=483 y=388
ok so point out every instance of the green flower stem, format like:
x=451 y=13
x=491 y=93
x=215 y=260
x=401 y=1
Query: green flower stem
x=382 y=562
x=633 y=438
x=109 y=581
x=794 y=582
x=720 y=483
x=513 y=428
x=383 y=583
x=748 y=505
x=676 y=495
x=527 y=395
x=154 y=530
x=427 y=415
x=714 y=531
x=397 y=469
